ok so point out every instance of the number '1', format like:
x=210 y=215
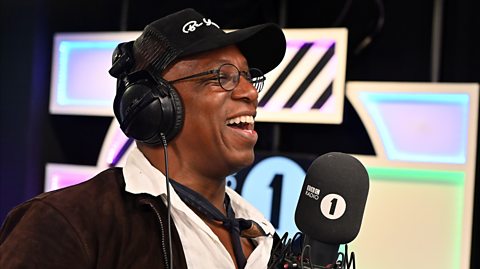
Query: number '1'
x=276 y=186
x=333 y=206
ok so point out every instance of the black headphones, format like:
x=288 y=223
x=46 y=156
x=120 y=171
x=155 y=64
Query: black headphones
x=147 y=107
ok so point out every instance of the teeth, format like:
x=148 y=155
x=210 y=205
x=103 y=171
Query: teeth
x=243 y=119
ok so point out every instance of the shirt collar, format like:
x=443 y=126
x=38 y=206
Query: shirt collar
x=142 y=177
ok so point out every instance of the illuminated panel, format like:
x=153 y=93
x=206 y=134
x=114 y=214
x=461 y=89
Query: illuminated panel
x=418 y=122
x=423 y=175
x=413 y=216
x=75 y=57
x=431 y=127
x=80 y=81
x=308 y=85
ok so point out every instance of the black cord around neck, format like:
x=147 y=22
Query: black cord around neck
x=169 y=210
x=234 y=225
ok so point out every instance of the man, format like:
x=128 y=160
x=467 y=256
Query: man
x=187 y=94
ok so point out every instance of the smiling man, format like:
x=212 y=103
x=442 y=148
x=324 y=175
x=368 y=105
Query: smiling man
x=187 y=93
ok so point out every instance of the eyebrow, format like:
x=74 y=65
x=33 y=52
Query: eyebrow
x=217 y=63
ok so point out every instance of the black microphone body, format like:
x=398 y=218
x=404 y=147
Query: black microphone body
x=321 y=253
x=331 y=205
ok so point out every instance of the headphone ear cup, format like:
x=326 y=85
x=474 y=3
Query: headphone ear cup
x=147 y=108
x=137 y=107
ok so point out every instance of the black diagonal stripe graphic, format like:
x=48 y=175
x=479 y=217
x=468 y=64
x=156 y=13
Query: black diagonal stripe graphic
x=324 y=97
x=281 y=78
x=314 y=73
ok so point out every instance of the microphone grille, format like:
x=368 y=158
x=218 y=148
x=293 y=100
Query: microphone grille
x=333 y=197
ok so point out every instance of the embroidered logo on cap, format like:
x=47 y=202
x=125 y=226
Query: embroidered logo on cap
x=191 y=26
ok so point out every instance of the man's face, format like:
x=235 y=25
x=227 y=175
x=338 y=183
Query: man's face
x=217 y=138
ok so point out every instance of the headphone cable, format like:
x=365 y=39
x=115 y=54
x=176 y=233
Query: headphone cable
x=169 y=210
x=377 y=29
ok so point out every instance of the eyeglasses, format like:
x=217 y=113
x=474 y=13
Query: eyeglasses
x=228 y=76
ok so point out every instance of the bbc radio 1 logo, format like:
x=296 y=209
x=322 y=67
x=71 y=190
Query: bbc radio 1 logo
x=312 y=192
x=332 y=206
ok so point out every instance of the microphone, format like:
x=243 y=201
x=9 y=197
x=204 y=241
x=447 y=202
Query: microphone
x=331 y=205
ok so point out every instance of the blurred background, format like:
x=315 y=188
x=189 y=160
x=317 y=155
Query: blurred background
x=410 y=40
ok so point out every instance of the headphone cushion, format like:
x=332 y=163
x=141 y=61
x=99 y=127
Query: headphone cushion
x=178 y=114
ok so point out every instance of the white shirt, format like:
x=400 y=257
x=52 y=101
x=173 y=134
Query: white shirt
x=201 y=246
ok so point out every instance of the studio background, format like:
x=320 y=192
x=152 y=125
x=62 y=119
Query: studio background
x=401 y=50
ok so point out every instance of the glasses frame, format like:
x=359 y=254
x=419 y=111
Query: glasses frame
x=257 y=82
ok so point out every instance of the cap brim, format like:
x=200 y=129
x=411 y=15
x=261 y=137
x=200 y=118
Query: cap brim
x=262 y=45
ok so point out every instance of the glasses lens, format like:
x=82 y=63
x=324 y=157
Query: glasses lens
x=257 y=78
x=228 y=76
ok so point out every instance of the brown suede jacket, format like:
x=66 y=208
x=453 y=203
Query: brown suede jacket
x=95 y=224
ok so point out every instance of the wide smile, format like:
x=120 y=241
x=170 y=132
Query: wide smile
x=243 y=125
x=241 y=122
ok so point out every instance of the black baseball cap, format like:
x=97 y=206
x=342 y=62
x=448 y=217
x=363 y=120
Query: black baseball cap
x=188 y=32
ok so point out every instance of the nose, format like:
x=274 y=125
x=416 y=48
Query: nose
x=245 y=91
